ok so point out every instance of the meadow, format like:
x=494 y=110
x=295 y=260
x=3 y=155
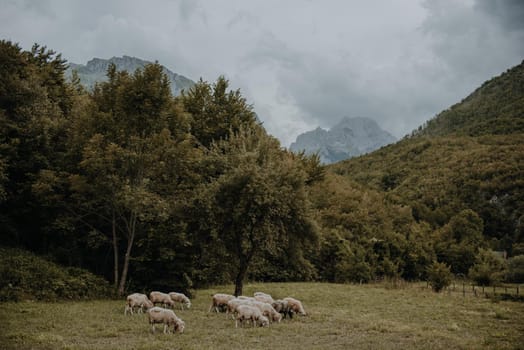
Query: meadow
x=340 y=316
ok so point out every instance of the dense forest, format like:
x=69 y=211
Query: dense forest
x=152 y=191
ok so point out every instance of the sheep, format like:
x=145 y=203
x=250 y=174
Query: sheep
x=159 y=297
x=295 y=306
x=181 y=298
x=167 y=317
x=249 y=312
x=137 y=300
x=263 y=297
x=220 y=300
x=233 y=304
x=282 y=306
x=267 y=310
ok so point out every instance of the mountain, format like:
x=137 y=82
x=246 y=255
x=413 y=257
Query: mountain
x=468 y=157
x=95 y=70
x=349 y=138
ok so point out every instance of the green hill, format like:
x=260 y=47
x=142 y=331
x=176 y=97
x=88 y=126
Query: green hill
x=497 y=107
x=469 y=157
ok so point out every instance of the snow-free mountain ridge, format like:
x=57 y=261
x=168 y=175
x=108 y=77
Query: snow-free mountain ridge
x=95 y=71
x=349 y=138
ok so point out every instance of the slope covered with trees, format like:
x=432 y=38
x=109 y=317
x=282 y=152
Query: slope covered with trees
x=153 y=191
x=461 y=175
x=146 y=189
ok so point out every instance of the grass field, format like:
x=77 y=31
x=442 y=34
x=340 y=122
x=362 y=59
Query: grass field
x=340 y=317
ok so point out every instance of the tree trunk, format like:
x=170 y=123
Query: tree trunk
x=242 y=272
x=239 y=281
x=115 y=250
x=125 y=268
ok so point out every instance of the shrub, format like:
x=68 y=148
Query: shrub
x=24 y=275
x=515 y=272
x=488 y=269
x=439 y=276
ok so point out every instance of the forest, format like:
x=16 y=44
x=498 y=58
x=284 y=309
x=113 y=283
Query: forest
x=127 y=188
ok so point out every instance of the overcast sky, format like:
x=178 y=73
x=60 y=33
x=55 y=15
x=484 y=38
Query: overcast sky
x=301 y=63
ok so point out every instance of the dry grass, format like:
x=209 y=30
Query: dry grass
x=340 y=317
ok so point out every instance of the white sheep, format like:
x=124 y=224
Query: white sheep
x=234 y=303
x=137 y=300
x=167 y=317
x=219 y=300
x=180 y=298
x=263 y=297
x=295 y=306
x=267 y=310
x=249 y=312
x=163 y=298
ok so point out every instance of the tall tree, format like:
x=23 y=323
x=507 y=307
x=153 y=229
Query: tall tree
x=259 y=201
x=216 y=111
x=35 y=104
x=133 y=135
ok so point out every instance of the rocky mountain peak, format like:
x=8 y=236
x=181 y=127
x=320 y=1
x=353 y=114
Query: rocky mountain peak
x=95 y=71
x=348 y=138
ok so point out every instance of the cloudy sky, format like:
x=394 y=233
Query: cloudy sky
x=301 y=63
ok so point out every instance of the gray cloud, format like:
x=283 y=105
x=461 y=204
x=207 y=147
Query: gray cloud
x=508 y=13
x=302 y=64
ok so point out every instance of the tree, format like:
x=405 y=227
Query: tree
x=135 y=144
x=215 y=111
x=488 y=269
x=259 y=200
x=459 y=241
x=35 y=106
x=439 y=276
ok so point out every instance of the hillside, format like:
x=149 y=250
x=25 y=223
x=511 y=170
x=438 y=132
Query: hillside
x=95 y=71
x=495 y=108
x=470 y=156
x=348 y=138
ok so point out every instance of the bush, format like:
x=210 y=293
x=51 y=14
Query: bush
x=515 y=272
x=439 y=276
x=488 y=269
x=24 y=275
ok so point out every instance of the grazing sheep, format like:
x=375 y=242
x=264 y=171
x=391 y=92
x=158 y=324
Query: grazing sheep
x=267 y=310
x=249 y=312
x=295 y=306
x=137 y=300
x=180 y=298
x=282 y=306
x=167 y=317
x=233 y=304
x=163 y=298
x=220 y=300
x=263 y=297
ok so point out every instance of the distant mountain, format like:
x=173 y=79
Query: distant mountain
x=95 y=71
x=349 y=138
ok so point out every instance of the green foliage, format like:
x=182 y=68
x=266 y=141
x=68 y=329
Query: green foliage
x=515 y=272
x=439 y=276
x=191 y=191
x=215 y=111
x=495 y=108
x=258 y=201
x=458 y=242
x=488 y=269
x=24 y=275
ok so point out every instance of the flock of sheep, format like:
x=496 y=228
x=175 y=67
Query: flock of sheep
x=260 y=309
